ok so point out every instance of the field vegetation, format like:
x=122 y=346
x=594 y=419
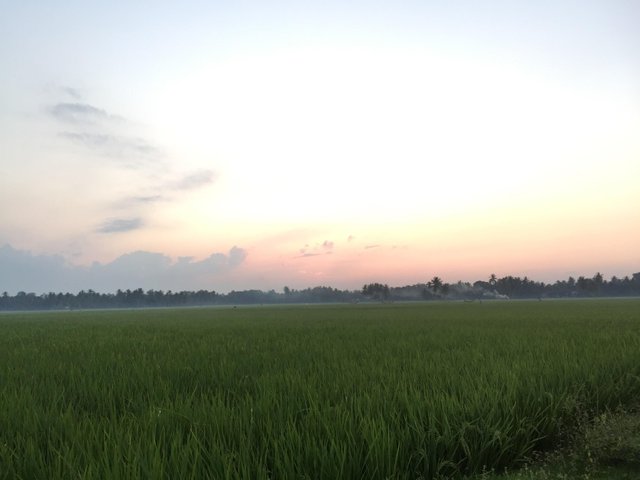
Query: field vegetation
x=401 y=391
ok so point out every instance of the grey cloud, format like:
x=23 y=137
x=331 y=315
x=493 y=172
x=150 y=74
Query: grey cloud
x=193 y=180
x=324 y=248
x=98 y=130
x=327 y=245
x=137 y=263
x=156 y=270
x=64 y=91
x=213 y=262
x=120 y=225
x=168 y=190
x=148 y=199
x=20 y=270
x=113 y=145
x=217 y=261
x=136 y=200
x=237 y=256
x=75 y=112
x=72 y=92
x=142 y=199
x=371 y=246
x=104 y=138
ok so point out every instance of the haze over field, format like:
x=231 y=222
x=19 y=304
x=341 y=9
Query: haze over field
x=261 y=144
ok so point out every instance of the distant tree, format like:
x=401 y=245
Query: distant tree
x=436 y=284
x=377 y=291
x=513 y=287
x=598 y=281
x=586 y=285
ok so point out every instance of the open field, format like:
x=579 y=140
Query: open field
x=350 y=391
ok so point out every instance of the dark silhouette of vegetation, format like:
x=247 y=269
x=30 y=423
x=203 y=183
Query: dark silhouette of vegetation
x=376 y=291
x=435 y=284
x=495 y=288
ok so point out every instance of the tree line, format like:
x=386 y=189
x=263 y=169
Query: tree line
x=434 y=289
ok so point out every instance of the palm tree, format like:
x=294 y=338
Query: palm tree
x=436 y=284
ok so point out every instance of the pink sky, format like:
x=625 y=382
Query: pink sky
x=277 y=144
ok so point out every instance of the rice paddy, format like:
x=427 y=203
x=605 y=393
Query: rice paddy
x=371 y=391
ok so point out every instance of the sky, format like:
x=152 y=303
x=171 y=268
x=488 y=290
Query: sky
x=257 y=144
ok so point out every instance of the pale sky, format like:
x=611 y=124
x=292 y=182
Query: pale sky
x=257 y=144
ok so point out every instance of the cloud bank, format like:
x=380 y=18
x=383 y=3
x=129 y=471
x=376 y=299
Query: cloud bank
x=22 y=271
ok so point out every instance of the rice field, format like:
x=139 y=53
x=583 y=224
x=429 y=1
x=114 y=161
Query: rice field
x=399 y=391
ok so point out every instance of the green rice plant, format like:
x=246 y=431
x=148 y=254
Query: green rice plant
x=400 y=391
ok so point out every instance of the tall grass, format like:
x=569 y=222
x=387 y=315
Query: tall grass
x=362 y=391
